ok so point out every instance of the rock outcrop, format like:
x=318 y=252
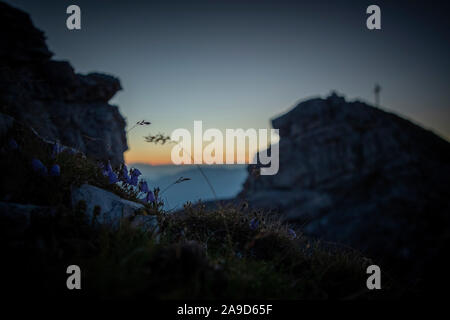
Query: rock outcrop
x=49 y=96
x=18 y=213
x=354 y=174
x=111 y=208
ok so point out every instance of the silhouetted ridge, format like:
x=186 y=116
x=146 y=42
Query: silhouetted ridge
x=354 y=174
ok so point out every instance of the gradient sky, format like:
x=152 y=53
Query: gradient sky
x=238 y=64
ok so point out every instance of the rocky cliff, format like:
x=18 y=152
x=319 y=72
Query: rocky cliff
x=50 y=97
x=354 y=174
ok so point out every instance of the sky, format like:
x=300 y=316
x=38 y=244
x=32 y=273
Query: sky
x=238 y=64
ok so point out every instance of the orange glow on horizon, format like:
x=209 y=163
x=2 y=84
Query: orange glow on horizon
x=141 y=151
x=161 y=156
x=144 y=157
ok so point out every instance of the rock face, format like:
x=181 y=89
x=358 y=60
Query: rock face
x=111 y=208
x=354 y=174
x=50 y=97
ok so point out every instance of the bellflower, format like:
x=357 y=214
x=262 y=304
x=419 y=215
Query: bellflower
x=133 y=181
x=124 y=176
x=292 y=233
x=150 y=197
x=39 y=167
x=108 y=172
x=109 y=168
x=254 y=223
x=112 y=177
x=101 y=166
x=55 y=170
x=104 y=169
x=135 y=173
x=143 y=187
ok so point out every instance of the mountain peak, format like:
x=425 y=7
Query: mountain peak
x=355 y=174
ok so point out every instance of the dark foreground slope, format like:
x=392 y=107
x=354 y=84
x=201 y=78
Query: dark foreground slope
x=356 y=175
x=226 y=253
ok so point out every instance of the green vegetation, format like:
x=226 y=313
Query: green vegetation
x=192 y=256
x=226 y=252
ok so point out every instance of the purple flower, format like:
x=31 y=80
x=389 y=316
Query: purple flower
x=104 y=169
x=135 y=173
x=254 y=223
x=133 y=181
x=150 y=197
x=55 y=170
x=108 y=172
x=112 y=177
x=39 y=167
x=124 y=176
x=292 y=233
x=101 y=166
x=143 y=187
x=109 y=168
x=13 y=144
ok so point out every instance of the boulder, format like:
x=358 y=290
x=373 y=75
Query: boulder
x=111 y=208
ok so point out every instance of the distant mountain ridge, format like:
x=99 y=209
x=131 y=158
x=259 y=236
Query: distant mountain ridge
x=226 y=180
